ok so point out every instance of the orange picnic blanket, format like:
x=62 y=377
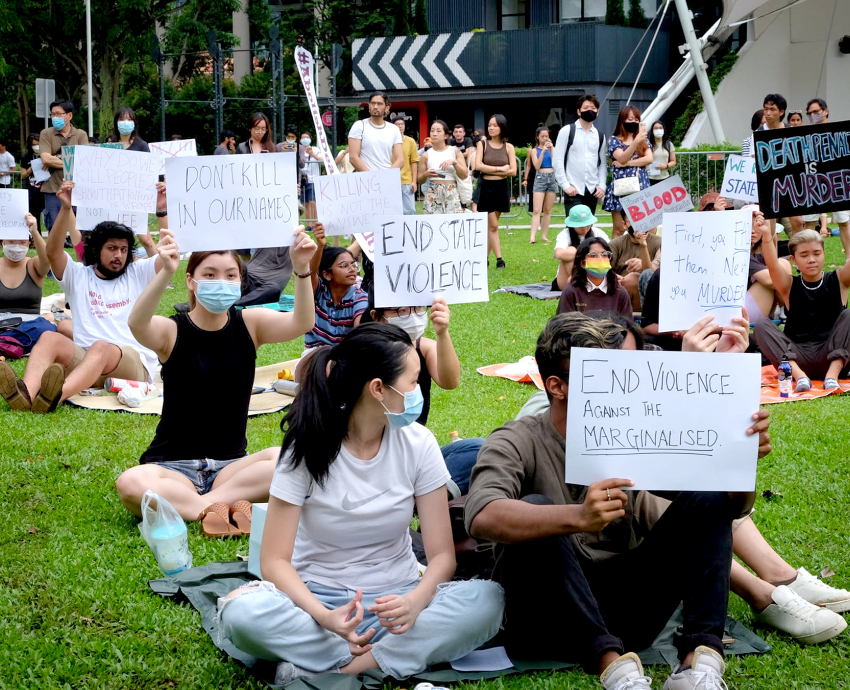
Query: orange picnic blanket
x=770 y=388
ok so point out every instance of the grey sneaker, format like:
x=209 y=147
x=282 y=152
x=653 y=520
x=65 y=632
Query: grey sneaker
x=626 y=673
x=706 y=673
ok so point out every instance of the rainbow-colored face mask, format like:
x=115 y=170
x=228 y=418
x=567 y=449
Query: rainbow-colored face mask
x=597 y=267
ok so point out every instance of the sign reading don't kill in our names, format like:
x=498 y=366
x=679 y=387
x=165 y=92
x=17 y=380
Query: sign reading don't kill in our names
x=14 y=206
x=119 y=180
x=356 y=202
x=705 y=268
x=227 y=202
x=673 y=421
x=418 y=258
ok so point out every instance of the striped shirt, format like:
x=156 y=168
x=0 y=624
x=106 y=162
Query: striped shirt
x=333 y=321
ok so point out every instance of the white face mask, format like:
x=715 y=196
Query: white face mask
x=35 y=148
x=412 y=324
x=15 y=252
x=658 y=133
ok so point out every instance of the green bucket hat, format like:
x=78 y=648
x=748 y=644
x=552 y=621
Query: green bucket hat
x=580 y=217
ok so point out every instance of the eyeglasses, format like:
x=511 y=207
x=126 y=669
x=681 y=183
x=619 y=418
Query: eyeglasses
x=407 y=311
x=597 y=255
x=345 y=265
x=58 y=114
x=815 y=112
x=259 y=129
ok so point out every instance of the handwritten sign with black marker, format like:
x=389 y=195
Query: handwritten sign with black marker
x=14 y=206
x=228 y=202
x=114 y=179
x=418 y=258
x=667 y=421
x=803 y=170
x=704 y=268
x=357 y=202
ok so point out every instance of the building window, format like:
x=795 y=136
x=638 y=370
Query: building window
x=580 y=10
x=513 y=14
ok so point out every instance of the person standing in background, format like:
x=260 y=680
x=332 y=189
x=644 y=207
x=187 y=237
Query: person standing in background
x=545 y=186
x=260 y=139
x=409 y=170
x=630 y=155
x=36 y=200
x=126 y=131
x=442 y=166
x=7 y=165
x=663 y=154
x=311 y=165
x=579 y=160
x=495 y=159
x=227 y=145
x=373 y=144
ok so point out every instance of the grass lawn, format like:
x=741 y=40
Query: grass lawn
x=77 y=611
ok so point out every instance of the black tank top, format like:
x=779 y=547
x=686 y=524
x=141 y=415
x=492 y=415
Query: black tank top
x=24 y=299
x=424 y=385
x=208 y=380
x=812 y=313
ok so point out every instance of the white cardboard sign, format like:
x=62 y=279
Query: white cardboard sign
x=357 y=202
x=646 y=209
x=38 y=171
x=227 y=202
x=164 y=150
x=115 y=179
x=418 y=258
x=739 y=179
x=14 y=206
x=88 y=217
x=672 y=421
x=705 y=268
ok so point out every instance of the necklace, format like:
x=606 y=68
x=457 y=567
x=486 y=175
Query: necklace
x=803 y=282
x=376 y=126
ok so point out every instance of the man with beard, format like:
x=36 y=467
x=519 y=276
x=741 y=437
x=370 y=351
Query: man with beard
x=101 y=294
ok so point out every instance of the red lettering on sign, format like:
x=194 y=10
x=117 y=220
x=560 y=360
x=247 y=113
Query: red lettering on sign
x=679 y=193
x=635 y=214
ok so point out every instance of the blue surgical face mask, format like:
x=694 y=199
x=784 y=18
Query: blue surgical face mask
x=413 y=403
x=126 y=126
x=58 y=123
x=305 y=141
x=217 y=296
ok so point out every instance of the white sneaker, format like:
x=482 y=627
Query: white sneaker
x=706 y=673
x=817 y=592
x=287 y=672
x=805 y=622
x=626 y=673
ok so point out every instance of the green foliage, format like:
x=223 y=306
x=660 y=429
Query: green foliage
x=402 y=20
x=420 y=18
x=187 y=32
x=637 y=18
x=695 y=102
x=615 y=15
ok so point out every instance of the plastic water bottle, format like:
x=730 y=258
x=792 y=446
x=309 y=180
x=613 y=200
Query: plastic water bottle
x=785 y=378
x=454 y=437
x=171 y=548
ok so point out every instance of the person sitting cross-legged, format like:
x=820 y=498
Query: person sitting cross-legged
x=817 y=331
x=594 y=285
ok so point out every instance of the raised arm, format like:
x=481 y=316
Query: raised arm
x=782 y=280
x=40 y=264
x=316 y=259
x=65 y=222
x=441 y=358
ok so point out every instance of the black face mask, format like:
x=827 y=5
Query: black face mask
x=587 y=115
x=631 y=127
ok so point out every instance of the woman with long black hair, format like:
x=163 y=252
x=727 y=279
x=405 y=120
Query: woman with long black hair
x=663 y=154
x=495 y=159
x=260 y=139
x=126 y=131
x=594 y=285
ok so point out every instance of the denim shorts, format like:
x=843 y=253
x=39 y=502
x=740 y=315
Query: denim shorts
x=545 y=182
x=308 y=193
x=201 y=473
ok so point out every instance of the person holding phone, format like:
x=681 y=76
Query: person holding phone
x=442 y=166
x=545 y=186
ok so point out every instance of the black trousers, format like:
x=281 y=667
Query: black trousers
x=562 y=606
x=587 y=199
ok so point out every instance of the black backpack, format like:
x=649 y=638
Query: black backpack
x=572 y=137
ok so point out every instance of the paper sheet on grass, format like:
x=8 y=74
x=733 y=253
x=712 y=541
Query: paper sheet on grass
x=492 y=659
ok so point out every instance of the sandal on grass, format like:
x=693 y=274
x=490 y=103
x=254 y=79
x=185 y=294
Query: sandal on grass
x=215 y=520
x=240 y=515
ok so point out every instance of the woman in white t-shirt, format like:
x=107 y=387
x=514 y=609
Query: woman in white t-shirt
x=343 y=591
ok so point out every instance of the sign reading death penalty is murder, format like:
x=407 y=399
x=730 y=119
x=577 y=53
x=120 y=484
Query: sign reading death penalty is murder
x=739 y=179
x=357 y=202
x=227 y=202
x=803 y=170
x=667 y=421
x=646 y=209
x=418 y=258
x=705 y=268
x=14 y=206
x=114 y=179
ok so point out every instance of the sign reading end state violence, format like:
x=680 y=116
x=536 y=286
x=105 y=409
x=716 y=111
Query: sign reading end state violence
x=14 y=206
x=418 y=258
x=668 y=421
x=646 y=208
x=228 y=202
x=357 y=202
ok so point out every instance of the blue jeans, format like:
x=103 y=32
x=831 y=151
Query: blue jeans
x=460 y=458
x=201 y=473
x=266 y=624
x=52 y=206
x=408 y=200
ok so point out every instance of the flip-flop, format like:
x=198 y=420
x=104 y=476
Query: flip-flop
x=240 y=515
x=13 y=390
x=215 y=519
x=51 y=389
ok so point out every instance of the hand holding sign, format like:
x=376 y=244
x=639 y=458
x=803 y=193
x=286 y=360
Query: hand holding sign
x=646 y=209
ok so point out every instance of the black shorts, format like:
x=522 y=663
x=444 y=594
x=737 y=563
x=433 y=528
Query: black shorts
x=494 y=196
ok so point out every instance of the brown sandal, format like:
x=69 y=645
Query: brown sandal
x=215 y=519
x=240 y=515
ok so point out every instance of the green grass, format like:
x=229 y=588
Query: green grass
x=76 y=608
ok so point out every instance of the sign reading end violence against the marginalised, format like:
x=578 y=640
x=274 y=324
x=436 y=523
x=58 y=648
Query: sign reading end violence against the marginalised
x=227 y=202
x=114 y=179
x=357 y=202
x=646 y=209
x=669 y=422
x=418 y=258
x=705 y=268
x=14 y=206
x=803 y=170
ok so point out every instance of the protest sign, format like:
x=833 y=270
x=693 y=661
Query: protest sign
x=671 y=422
x=739 y=179
x=178 y=148
x=646 y=208
x=803 y=170
x=418 y=258
x=68 y=158
x=14 y=206
x=357 y=201
x=304 y=65
x=705 y=268
x=88 y=217
x=116 y=180
x=366 y=240
x=227 y=202
x=38 y=171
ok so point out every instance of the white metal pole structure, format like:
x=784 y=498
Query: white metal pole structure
x=700 y=67
x=89 y=66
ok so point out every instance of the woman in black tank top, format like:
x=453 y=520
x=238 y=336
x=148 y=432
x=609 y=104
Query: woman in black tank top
x=198 y=458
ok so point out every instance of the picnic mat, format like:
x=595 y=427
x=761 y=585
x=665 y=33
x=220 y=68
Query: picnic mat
x=524 y=371
x=202 y=586
x=533 y=290
x=263 y=402
x=770 y=388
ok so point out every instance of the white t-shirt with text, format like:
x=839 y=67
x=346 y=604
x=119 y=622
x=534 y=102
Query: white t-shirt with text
x=101 y=307
x=376 y=148
x=353 y=531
